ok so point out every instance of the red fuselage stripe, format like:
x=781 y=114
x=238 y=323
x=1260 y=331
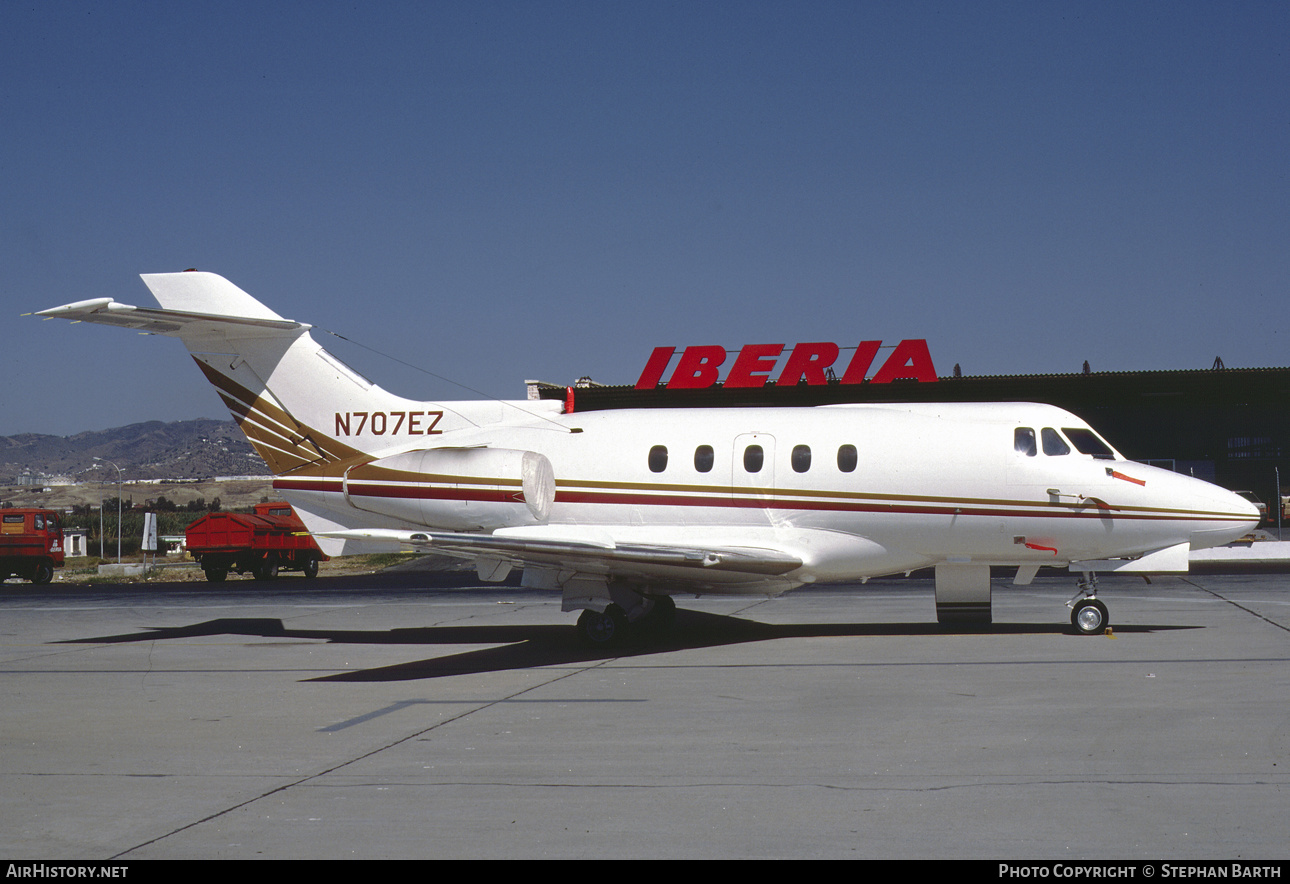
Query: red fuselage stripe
x=430 y=492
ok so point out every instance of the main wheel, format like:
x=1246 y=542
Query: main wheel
x=603 y=629
x=1089 y=617
x=662 y=615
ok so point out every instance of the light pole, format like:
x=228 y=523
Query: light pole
x=118 y=508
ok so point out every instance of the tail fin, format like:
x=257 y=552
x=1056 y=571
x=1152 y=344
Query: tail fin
x=302 y=408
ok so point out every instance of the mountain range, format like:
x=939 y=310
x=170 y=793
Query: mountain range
x=152 y=450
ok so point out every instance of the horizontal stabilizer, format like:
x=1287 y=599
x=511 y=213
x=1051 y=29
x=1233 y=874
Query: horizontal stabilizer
x=185 y=298
x=105 y=311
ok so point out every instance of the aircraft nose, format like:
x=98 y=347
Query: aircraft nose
x=1234 y=517
x=1249 y=512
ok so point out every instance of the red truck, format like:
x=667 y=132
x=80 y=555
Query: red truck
x=270 y=541
x=31 y=544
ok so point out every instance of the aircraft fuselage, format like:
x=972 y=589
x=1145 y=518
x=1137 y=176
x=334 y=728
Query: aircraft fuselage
x=863 y=489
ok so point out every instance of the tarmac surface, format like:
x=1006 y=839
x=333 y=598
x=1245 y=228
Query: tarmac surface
x=402 y=716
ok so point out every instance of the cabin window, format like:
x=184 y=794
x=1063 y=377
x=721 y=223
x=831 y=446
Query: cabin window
x=704 y=458
x=801 y=459
x=658 y=458
x=1054 y=444
x=1023 y=440
x=754 y=457
x=847 y=458
x=1087 y=442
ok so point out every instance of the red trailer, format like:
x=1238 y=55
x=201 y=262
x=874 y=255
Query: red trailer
x=31 y=544
x=270 y=541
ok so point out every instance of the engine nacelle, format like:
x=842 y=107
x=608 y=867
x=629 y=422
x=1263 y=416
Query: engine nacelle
x=456 y=489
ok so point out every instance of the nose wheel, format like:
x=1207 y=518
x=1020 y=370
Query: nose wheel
x=1089 y=617
x=1088 y=614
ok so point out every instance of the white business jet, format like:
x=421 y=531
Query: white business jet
x=621 y=510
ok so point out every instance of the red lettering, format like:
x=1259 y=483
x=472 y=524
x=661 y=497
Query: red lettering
x=910 y=359
x=414 y=423
x=859 y=366
x=342 y=426
x=654 y=369
x=809 y=361
x=697 y=368
x=753 y=365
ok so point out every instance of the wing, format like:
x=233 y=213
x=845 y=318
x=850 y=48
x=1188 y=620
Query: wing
x=594 y=553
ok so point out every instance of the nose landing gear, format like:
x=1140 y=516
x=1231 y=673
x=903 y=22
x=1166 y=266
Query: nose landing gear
x=1088 y=614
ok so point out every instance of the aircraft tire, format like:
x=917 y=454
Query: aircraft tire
x=1090 y=617
x=662 y=615
x=603 y=630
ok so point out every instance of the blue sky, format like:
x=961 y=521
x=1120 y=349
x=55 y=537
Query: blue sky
x=499 y=191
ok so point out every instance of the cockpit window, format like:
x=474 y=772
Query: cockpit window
x=1023 y=440
x=1054 y=444
x=1087 y=442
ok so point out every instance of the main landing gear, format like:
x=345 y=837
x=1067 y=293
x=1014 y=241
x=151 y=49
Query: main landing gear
x=610 y=628
x=1088 y=614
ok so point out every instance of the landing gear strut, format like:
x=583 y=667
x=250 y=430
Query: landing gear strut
x=1088 y=614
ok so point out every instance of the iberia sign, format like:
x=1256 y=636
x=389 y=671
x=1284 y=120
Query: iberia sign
x=699 y=366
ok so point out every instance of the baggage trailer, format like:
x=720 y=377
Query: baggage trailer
x=31 y=544
x=271 y=540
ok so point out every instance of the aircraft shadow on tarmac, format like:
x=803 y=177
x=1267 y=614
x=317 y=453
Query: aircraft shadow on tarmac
x=526 y=647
